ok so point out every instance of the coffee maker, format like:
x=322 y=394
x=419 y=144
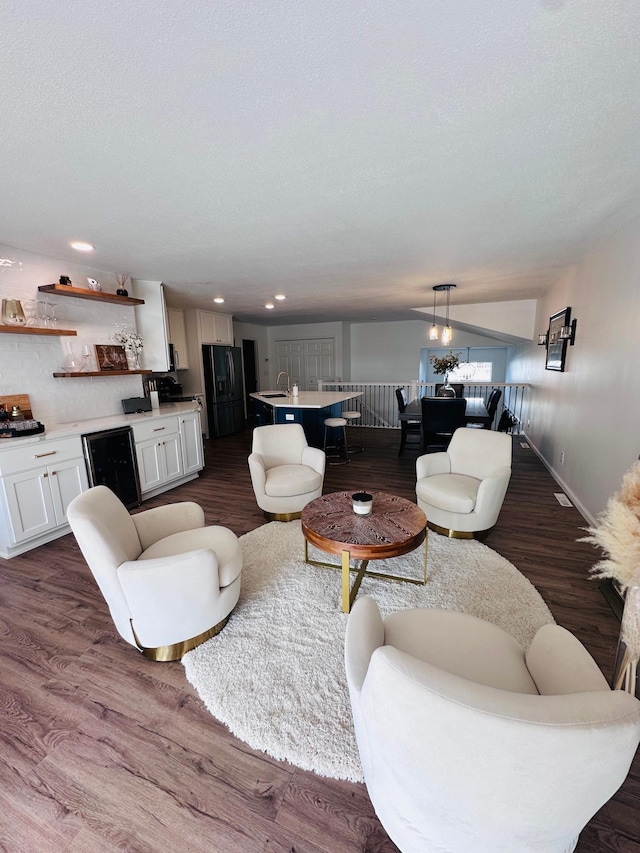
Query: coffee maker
x=168 y=389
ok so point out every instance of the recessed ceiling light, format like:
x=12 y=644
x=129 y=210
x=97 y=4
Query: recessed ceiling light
x=269 y=305
x=79 y=246
x=218 y=299
x=280 y=296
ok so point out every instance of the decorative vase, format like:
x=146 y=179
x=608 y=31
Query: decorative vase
x=445 y=389
x=626 y=667
x=133 y=360
x=70 y=362
x=12 y=313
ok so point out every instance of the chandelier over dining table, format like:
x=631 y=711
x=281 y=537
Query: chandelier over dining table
x=447 y=332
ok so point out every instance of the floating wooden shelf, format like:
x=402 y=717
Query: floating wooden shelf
x=35 y=330
x=85 y=293
x=63 y=375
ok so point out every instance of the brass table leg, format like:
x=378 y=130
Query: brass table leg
x=349 y=594
x=346 y=597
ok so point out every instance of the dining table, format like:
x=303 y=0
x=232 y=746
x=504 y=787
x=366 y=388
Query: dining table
x=475 y=413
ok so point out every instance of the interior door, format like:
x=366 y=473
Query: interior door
x=289 y=358
x=306 y=361
x=319 y=362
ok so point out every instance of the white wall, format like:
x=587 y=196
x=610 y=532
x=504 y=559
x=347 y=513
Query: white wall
x=27 y=362
x=515 y=318
x=390 y=352
x=592 y=410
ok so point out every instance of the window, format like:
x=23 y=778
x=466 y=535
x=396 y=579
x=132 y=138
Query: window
x=472 y=371
x=477 y=364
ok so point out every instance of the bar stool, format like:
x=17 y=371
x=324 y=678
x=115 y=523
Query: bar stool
x=355 y=416
x=336 y=424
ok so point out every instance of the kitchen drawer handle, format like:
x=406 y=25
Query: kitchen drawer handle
x=40 y=455
x=159 y=429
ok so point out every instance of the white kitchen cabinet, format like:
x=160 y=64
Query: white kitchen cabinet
x=159 y=462
x=215 y=328
x=159 y=452
x=38 y=483
x=40 y=477
x=178 y=337
x=191 y=441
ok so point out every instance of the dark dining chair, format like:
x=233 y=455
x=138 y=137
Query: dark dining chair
x=441 y=417
x=492 y=406
x=458 y=387
x=407 y=428
x=494 y=399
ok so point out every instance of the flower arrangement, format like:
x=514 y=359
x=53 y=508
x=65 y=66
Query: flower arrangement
x=130 y=340
x=446 y=363
x=617 y=533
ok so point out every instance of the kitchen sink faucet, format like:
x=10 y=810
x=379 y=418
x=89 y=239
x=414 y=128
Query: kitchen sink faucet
x=284 y=373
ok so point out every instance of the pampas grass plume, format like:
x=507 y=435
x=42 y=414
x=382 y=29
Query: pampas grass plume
x=617 y=533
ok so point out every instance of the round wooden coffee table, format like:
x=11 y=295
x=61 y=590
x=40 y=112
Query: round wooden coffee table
x=394 y=527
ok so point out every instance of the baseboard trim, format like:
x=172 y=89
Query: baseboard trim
x=575 y=500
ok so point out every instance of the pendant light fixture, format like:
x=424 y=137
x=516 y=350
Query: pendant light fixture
x=447 y=331
x=433 y=331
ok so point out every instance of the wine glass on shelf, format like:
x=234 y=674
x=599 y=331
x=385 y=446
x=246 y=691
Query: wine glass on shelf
x=31 y=312
x=52 y=320
x=46 y=314
x=87 y=359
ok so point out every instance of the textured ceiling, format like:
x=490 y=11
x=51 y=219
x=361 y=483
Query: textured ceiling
x=348 y=154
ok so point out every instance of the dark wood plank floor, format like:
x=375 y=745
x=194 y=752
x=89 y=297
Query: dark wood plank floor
x=101 y=750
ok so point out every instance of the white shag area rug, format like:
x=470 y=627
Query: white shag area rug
x=275 y=674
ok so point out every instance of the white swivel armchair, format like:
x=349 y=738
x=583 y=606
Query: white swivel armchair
x=170 y=582
x=285 y=472
x=461 y=490
x=470 y=744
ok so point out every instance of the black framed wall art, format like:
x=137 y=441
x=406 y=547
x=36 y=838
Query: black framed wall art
x=557 y=346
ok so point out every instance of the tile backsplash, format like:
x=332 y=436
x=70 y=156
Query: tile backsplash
x=27 y=362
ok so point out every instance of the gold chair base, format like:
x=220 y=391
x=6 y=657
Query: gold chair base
x=458 y=534
x=176 y=650
x=282 y=516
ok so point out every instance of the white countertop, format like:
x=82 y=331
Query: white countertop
x=305 y=399
x=82 y=427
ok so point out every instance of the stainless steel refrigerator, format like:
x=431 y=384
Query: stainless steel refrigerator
x=223 y=389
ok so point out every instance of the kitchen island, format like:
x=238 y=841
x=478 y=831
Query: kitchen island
x=309 y=408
